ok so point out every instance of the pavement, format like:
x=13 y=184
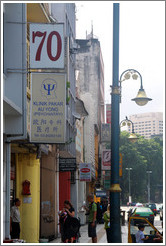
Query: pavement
x=101 y=235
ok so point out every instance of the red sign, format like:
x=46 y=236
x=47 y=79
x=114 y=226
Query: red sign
x=108 y=113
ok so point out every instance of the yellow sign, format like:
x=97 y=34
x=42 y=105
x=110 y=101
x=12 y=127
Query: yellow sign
x=120 y=164
x=48 y=104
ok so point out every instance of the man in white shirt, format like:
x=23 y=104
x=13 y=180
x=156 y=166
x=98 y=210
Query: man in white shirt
x=15 y=220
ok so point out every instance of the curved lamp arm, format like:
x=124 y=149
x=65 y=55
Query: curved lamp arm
x=132 y=70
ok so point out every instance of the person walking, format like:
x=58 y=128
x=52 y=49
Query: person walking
x=15 y=220
x=92 y=212
x=106 y=217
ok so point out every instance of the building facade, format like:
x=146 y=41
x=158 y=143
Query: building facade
x=25 y=162
x=90 y=88
x=147 y=124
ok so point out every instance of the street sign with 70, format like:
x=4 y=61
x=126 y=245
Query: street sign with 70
x=47 y=46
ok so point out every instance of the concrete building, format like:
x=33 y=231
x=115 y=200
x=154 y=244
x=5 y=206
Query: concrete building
x=90 y=88
x=147 y=124
x=23 y=160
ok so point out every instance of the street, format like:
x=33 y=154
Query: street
x=101 y=234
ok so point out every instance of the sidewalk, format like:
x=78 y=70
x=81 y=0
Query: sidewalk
x=101 y=235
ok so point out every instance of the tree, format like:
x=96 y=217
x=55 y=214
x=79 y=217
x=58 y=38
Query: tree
x=141 y=156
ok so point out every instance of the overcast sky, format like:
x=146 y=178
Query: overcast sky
x=142 y=47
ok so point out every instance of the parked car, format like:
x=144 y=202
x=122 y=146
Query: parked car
x=159 y=206
x=142 y=212
x=153 y=207
x=138 y=204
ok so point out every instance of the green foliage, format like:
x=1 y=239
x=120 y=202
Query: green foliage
x=141 y=156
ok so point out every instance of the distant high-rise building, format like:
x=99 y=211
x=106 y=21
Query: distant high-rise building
x=147 y=124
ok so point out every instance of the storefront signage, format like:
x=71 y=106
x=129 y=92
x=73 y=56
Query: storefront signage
x=100 y=193
x=67 y=164
x=85 y=172
x=48 y=104
x=106 y=159
x=47 y=45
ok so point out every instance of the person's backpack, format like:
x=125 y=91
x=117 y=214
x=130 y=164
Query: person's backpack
x=99 y=213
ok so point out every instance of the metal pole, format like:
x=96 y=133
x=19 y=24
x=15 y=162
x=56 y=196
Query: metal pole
x=149 y=172
x=129 y=185
x=115 y=228
x=129 y=169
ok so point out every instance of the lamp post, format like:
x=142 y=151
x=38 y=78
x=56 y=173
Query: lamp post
x=149 y=172
x=115 y=229
x=129 y=169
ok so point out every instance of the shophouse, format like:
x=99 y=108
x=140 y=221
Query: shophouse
x=91 y=92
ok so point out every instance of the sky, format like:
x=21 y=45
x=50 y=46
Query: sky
x=141 y=47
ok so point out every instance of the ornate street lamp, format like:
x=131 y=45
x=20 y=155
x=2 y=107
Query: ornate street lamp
x=132 y=138
x=141 y=99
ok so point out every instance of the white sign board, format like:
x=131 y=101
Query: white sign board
x=85 y=172
x=47 y=45
x=48 y=105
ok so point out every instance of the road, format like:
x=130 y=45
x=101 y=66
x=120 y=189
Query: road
x=101 y=235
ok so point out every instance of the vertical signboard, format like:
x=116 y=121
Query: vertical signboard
x=48 y=103
x=105 y=133
x=47 y=45
x=108 y=113
x=120 y=164
x=85 y=172
x=106 y=159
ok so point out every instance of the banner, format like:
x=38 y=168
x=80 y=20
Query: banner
x=48 y=104
x=108 y=113
x=105 y=133
x=106 y=159
x=85 y=172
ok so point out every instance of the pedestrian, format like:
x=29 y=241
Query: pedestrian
x=68 y=224
x=92 y=212
x=106 y=217
x=68 y=208
x=15 y=220
x=140 y=237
